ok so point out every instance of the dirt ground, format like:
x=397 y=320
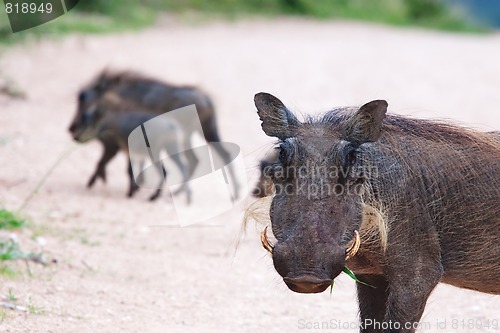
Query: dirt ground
x=117 y=270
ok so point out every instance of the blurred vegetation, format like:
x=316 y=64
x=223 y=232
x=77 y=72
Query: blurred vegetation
x=9 y=220
x=94 y=16
x=425 y=13
x=11 y=225
x=86 y=20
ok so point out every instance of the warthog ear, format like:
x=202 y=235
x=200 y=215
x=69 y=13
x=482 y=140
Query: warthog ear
x=277 y=120
x=365 y=125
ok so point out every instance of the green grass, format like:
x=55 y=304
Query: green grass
x=10 y=221
x=33 y=309
x=423 y=13
x=3 y=315
x=9 y=250
x=9 y=247
x=10 y=296
x=7 y=271
x=80 y=22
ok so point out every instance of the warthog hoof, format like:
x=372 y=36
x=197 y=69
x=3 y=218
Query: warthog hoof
x=155 y=196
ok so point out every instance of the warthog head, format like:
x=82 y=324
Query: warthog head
x=89 y=123
x=92 y=115
x=320 y=177
x=87 y=98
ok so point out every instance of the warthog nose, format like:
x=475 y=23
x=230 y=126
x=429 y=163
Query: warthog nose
x=307 y=284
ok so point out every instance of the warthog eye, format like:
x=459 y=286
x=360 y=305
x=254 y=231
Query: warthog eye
x=348 y=161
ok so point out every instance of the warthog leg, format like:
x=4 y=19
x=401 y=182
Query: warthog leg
x=191 y=158
x=163 y=176
x=111 y=148
x=133 y=187
x=372 y=301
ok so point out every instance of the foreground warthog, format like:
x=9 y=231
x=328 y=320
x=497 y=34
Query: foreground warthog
x=423 y=197
x=109 y=120
x=149 y=95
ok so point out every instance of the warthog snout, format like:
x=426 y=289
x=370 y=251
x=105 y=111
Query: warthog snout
x=320 y=271
x=72 y=127
x=310 y=271
x=75 y=130
x=81 y=121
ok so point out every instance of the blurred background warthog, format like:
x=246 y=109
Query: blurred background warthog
x=139 y=94
x=110 y=120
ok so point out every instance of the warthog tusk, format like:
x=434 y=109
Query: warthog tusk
x=353 y=247
x=265 y=241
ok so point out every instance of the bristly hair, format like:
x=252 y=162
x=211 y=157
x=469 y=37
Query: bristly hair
x=110 y=101
x=439 y=131
x=107 y=79
x=113 y=78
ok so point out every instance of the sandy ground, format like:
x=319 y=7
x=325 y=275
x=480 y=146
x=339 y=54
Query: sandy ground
x=117 y=270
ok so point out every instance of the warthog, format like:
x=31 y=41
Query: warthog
x=150 y=95
x=404 y=203
x=109 y=120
